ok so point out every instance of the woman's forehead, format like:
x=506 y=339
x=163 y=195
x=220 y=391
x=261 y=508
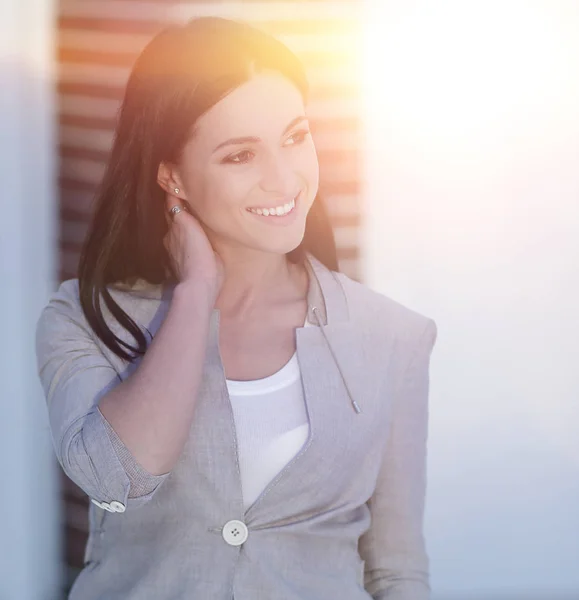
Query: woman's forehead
x=264 y=105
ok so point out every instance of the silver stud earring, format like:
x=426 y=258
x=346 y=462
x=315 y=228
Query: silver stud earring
x=177 y=190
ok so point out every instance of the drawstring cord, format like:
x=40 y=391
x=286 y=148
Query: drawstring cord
x=354 y=403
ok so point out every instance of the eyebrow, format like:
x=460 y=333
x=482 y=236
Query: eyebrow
x=253 y=139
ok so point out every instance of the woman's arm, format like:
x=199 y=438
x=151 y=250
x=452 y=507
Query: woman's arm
x=119 y=440
x=152 y=410
x=397 y=565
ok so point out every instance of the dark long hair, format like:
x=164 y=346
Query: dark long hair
x=180 y=74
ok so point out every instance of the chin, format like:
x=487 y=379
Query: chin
x=282 y=245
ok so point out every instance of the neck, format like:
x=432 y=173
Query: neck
x=257 y=280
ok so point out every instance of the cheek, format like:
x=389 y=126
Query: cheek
x=219 y=190
x=310 y=169
x=229 y=188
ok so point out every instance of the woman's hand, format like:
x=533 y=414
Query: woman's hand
x=192 y=255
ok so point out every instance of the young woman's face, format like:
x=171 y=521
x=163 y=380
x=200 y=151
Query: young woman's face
x=252 y=153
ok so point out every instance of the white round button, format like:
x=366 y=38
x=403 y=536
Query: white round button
x=99 y=504
x=235 y=532
x=118 y=506
x=107 y=506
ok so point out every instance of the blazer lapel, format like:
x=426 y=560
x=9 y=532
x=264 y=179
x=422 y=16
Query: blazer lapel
x=335 y=427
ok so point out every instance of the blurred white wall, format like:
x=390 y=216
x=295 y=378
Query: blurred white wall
x=29 y=504
x=472 y=218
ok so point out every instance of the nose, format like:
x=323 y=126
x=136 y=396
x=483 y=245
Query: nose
x=278 y=177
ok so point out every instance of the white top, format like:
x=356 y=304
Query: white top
x=271 y=424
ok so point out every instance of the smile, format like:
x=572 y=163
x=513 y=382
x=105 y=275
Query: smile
x=275 y=211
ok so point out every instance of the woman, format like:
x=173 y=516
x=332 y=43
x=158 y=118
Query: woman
x=248 y=422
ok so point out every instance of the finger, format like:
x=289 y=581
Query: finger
x=170 y=213
x=176 y=211
x=171 y=200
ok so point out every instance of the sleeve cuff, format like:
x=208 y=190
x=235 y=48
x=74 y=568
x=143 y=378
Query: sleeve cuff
x=142 y=482
x=121 y=477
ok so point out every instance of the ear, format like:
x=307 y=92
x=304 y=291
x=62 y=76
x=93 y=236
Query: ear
x=168 y=178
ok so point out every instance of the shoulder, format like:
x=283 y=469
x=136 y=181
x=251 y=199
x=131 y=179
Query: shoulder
x=67 y=295
x=64 y=309
x=381 y=315
x=62 y=322
x=64 y=301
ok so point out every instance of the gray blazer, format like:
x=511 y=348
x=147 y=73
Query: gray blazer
x=343 y=520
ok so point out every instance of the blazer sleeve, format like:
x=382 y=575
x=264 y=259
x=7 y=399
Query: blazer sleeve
x=396 y=561
x=75 y=374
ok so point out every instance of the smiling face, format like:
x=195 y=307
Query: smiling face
x=250 y=170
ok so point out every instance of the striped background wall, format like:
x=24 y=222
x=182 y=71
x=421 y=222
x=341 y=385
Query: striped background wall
x=98 y=40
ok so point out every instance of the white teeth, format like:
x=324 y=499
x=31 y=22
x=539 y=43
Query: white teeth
x=278 y=211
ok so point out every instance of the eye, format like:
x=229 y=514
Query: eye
x=298 y=137
x=240 y=158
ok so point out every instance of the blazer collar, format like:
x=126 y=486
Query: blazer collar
x=325 y=293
